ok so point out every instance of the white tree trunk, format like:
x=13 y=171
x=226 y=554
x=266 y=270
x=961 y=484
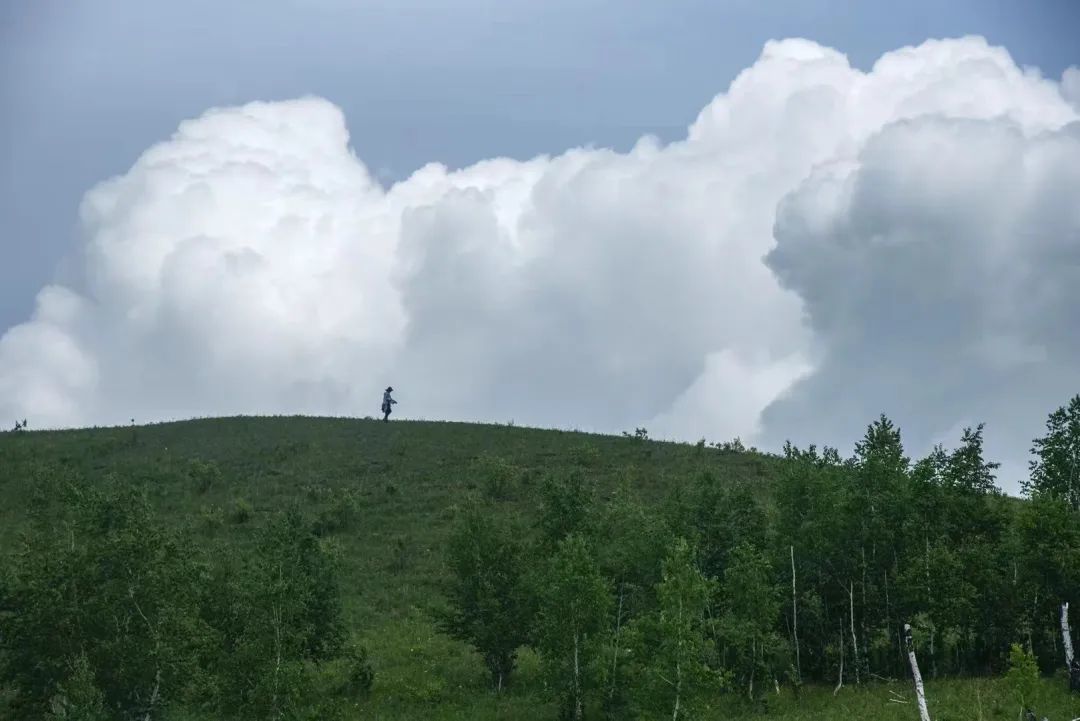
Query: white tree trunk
x=618 y=630
x=795 y=619
x=1066 y=636
x=678 y=691
x=920 y=692
x=840 y=681
x=577 y=682
x=854 y=639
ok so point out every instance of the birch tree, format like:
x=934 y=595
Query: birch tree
x=574 y=603
x=751 y=609
x=920 y=691
x=672 y=643
x=490 y=606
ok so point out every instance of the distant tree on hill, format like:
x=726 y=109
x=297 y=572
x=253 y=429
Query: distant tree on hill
x=1056 y=468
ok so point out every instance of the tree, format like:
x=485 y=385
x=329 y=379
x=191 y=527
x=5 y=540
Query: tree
x=1056 y=468
x=566 y=501
x=574 y=602
x=78 y=698
x=101 y=600
x=814 y=524
x=1047 y=571
x=490 y=606
x=630 y=546
x=966 y=469
x=877 y=508
x=724 y=515
x=673 y=642
x=751 y=608
x=1022 y=676
x=274 y=610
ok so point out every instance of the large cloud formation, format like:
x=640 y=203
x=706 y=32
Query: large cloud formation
x=824 y=245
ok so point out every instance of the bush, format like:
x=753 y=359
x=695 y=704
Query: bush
x=566 y=502
x=402 y=553
x=340 y=515
x=212 y=516
x=359 y=674
x=1023 y=675
x=204 y=475
x=496 y=476
x=241 y=511
x=586 y=455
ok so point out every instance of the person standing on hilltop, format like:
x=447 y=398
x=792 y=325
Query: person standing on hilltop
x=387 y=402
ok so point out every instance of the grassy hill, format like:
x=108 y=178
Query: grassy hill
x=388 y=495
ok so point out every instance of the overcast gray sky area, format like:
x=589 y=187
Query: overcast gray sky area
x=729 y=218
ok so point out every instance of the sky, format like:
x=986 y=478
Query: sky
x=771 y=220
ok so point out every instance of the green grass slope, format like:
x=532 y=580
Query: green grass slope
x=388 y=495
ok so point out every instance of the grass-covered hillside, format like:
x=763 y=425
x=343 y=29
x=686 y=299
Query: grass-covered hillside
x=420 y=532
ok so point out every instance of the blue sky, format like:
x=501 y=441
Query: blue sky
x=86 y=86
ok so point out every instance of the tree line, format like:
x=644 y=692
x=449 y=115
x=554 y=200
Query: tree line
x=728 y=589
x=107 y=612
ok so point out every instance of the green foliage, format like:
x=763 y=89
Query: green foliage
x=496 y=476
x=106 y=607
x=631 y=544
x=1055 y=471
x=212 y=516
x=566 y=500
x=672 y=645
x=573 y=601
x=735 y=445
x=751 y=606
x=725 y=514
x=204 y=475
x=272 y=613
x=1023 y=675
x=586 y=455
x=78 y=698
x=490 y=605
x=870 y=543
x=341 y=513
x=104 y=583
x=402 y=553
x=240 y=511
x=359 y=674
x=966 y=469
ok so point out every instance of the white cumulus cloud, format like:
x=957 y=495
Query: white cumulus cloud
x=825 y=244
x=1070 y=85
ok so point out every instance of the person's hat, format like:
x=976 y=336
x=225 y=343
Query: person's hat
x=389 y=388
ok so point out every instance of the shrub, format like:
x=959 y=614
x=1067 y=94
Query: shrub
x=340 y=515
x=241 y=511
x=496 y=476
x=1023 y=674
x=212 y=516
x=359 y=674
x=204 y=475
